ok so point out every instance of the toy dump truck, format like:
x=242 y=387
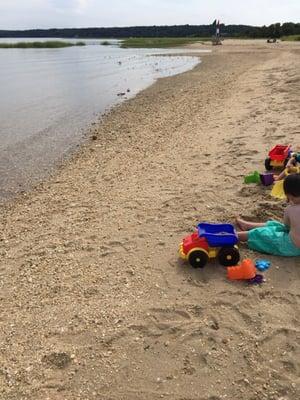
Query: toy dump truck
x=278 y=157
x=211 y=241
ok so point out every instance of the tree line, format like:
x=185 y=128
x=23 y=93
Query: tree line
x=274 y=31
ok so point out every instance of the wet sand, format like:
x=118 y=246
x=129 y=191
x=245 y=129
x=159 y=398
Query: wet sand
x=94 y=301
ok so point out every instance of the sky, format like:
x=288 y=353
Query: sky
x=31 y=14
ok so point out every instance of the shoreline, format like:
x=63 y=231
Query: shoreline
x=35 y=156
x=93 y=251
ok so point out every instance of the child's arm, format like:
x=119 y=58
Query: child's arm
x=292 y=162
x=290 y=169
x=280 y=176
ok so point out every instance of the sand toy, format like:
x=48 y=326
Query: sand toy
x=278 y=157
x=254 y=177
x=210 y=241
x=262 y=265
x=277 y=190
x=257 y=280
x=267 y=178
x=244 y=271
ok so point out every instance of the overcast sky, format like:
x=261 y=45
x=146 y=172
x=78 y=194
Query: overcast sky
x=25 y=14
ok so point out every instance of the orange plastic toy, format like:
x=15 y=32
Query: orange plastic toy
x=245 y=270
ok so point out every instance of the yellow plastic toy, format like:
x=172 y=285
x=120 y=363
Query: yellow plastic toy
x=277 y=190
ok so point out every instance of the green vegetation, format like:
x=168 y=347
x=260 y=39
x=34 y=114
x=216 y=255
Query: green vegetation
x=105 y=43
x=160 y=42
x=276 y=30
x=291 y=38
x=39 y=45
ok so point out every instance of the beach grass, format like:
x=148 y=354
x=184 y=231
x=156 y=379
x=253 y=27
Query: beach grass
x=291 y=38
x=161 y=42
x=39 y=45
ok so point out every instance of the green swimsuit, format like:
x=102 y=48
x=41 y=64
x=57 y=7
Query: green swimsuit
x=273 y=238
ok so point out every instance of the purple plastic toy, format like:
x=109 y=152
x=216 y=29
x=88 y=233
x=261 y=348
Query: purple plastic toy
x=257 y=280
x=267 y=178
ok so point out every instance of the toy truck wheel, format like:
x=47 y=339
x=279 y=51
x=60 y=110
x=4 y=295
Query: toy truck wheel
x=198 y=258
x=229 y=256
x=268 y=165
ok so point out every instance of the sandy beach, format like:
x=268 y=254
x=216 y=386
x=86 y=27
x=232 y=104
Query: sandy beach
x=95 y=303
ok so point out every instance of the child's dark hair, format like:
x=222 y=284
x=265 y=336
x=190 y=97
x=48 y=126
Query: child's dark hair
x=291 y=185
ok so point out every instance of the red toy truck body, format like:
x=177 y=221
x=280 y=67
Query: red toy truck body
x=278 y=157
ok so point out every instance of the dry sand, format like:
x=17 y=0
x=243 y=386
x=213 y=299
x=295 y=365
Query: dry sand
x=94 y=301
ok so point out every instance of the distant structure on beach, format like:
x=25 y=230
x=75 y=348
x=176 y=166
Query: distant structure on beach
x=216 y=40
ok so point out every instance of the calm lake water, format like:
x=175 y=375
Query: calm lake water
x=49 y=97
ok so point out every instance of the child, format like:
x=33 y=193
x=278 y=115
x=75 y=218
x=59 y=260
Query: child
x=274 y=237
x=291 y=167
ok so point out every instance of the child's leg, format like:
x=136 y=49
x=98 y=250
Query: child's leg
x=243 y=236
x=247 y=225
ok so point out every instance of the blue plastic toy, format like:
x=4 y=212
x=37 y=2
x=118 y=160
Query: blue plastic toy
x=262 y=265
x=218 y=234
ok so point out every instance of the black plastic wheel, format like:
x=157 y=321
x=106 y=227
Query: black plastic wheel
x=268 y=165
x=198 y=258
x=229 y=256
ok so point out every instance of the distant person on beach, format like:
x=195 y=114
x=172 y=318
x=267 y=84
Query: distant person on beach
x=273 y=237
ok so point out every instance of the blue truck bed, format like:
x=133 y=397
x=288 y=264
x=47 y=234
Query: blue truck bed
x=218 y=235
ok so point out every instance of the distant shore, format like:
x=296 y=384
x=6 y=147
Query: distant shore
x=176 y=31
x=157 y=42
x=39 y=45
x=94 y=301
